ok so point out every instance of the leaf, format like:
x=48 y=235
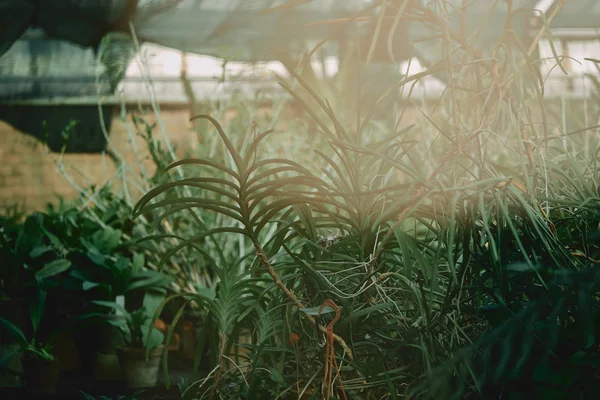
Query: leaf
x=138 y=262
x=39 y=250
x=113 y=305
x=96 y=257
x=151 y=331
x=14 y=331
x=208 y=293
x=315 y=310
x=156 y=337
x=405 y=246
x=116 y=322
x=365 y=311
x=277 y=377
x=36 y=309
x=87 y=285
x=521 y=267
x=53 y=268
x=158 y=280
x=30 y=234
x=107 y=239
x=152 y=301
x=232 y=151
x=53 y=238
x=123 y=264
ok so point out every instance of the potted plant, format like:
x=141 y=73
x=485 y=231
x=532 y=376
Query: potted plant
x=45 y=246
x=87 y=259
x=41 y=369
x=140 y=356
x=33 y=262
x=35 y=254
x=111 y=273
x=29 y=252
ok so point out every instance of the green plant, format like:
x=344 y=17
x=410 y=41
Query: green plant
x=428 y=237
x=114 y=273
x=136 y=327
x=30 y=252
x=29 y=347
x=32 y=346
x=79 y=255
x=457 y=240
x=11 y=273
x=228 y=310
x=65 y=243
x=35 y=262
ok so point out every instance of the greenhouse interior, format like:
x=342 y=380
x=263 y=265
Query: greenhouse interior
x=299 y=199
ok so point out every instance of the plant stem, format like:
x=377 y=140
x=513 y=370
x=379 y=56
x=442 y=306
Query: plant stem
x=265 y=262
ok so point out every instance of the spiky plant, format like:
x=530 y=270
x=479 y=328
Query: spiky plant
x=458 y=250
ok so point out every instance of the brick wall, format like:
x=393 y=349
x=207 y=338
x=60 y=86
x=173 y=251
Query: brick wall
x=30 y=177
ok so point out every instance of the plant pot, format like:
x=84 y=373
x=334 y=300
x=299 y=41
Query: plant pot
x=40 y=375
x=94 y=339
x=107 y=368
x=66 y=352
x=189 y=330
x=138 y=371
x=109 y=337
x=163 y=327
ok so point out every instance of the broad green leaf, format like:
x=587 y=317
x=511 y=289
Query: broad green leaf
x=156 y=338
x=138 y=262
x=36 y=308
x=96 y=258
x=53 y=268
x=39 y=250
x=207 y=293
x=157 y=280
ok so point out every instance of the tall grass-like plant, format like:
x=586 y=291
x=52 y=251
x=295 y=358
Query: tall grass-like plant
x=454 y=255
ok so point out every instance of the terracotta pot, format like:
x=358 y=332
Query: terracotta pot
x=109 y=336
x=96 y=340
x=107 y=368
x=40 y=375
x=138 y=371
x=163 y=327
x=188 y=329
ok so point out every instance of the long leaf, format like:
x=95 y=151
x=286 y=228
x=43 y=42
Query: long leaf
x=14 y=331
x=53 y=268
